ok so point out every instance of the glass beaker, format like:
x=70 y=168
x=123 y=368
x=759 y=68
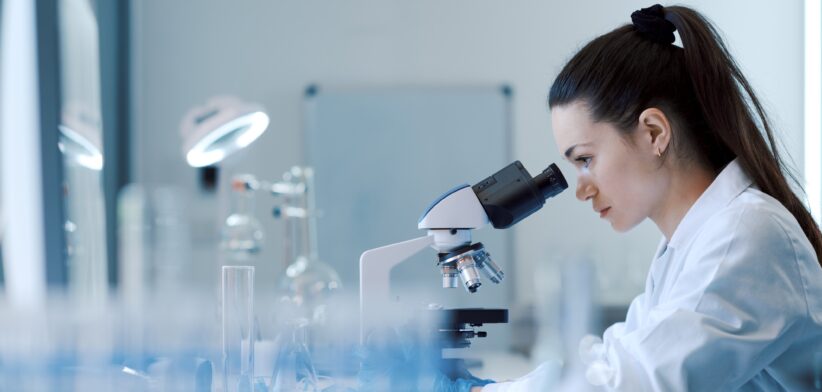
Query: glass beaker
x=238 y=327
x=242 y=233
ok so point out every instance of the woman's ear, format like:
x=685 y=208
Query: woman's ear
x=654 y=131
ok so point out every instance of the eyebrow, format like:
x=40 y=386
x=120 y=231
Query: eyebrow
x=570 y=150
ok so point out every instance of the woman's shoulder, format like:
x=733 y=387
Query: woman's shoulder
x=756 y=234
x=754 y=216
x=752 y=223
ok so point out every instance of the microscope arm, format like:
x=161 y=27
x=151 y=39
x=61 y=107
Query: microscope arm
x=375 y=272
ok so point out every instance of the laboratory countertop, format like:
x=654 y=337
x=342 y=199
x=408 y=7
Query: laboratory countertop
x=495 y=365
x=500 y=365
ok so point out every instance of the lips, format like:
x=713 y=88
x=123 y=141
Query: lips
x=604 y=212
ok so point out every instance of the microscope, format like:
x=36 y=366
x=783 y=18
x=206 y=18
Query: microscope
x=503 y=199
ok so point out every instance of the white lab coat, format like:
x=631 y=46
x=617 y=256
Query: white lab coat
x=732 y=302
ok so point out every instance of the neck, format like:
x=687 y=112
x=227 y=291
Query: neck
x=684 y=188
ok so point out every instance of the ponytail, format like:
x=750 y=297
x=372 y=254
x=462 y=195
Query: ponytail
x=702 y=90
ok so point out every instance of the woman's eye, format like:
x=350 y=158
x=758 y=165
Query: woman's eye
x=585 y=161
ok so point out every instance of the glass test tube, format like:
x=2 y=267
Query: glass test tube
x=238 y=327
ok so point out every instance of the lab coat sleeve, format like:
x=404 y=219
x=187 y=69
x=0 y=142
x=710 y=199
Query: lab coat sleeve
x=728 y=312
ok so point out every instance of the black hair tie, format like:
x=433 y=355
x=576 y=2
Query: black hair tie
x=651 y=23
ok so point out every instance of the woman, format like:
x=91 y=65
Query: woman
x=675 y=134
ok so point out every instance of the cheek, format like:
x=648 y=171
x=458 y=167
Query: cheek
x=624 y=184
x=619 y=188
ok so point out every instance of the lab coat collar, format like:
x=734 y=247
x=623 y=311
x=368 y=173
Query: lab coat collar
x=730 y=182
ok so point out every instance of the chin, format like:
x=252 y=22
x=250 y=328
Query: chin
x=619 y=228
x=623 y=226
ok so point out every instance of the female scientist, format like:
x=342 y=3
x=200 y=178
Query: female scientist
x=733 y=299
x=675 y=134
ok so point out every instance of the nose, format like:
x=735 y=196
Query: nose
x=585 y=189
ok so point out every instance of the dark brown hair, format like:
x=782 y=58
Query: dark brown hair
x=698 y=86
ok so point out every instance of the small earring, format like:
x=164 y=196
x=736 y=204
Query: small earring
x=659 y=152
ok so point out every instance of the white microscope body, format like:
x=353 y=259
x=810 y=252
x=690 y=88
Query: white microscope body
x=458 y=209
x=502 y=199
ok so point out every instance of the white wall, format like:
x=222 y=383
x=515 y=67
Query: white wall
x=268 y=50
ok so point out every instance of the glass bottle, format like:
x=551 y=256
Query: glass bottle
x=242 y=233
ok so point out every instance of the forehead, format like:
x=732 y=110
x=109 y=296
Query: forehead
x=570 y=124
x=573 y=125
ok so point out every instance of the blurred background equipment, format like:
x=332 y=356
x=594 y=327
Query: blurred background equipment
x=307 y=281
x=242 y=233
x=218 y=129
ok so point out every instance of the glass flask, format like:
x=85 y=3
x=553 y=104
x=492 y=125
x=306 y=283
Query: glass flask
x=308 y=284
x=242 y=233
x=307 y=281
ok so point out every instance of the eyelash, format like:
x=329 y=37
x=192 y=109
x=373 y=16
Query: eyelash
x=586 y=161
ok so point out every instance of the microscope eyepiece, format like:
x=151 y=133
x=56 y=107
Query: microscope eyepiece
x=511 y=194
x=550 y=182
x=507 y=197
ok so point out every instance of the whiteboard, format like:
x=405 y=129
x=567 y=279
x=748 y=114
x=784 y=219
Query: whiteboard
x=381 y=155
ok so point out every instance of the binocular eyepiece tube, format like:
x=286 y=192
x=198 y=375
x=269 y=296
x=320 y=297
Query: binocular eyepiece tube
x=507 y=197
x=511 y=194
